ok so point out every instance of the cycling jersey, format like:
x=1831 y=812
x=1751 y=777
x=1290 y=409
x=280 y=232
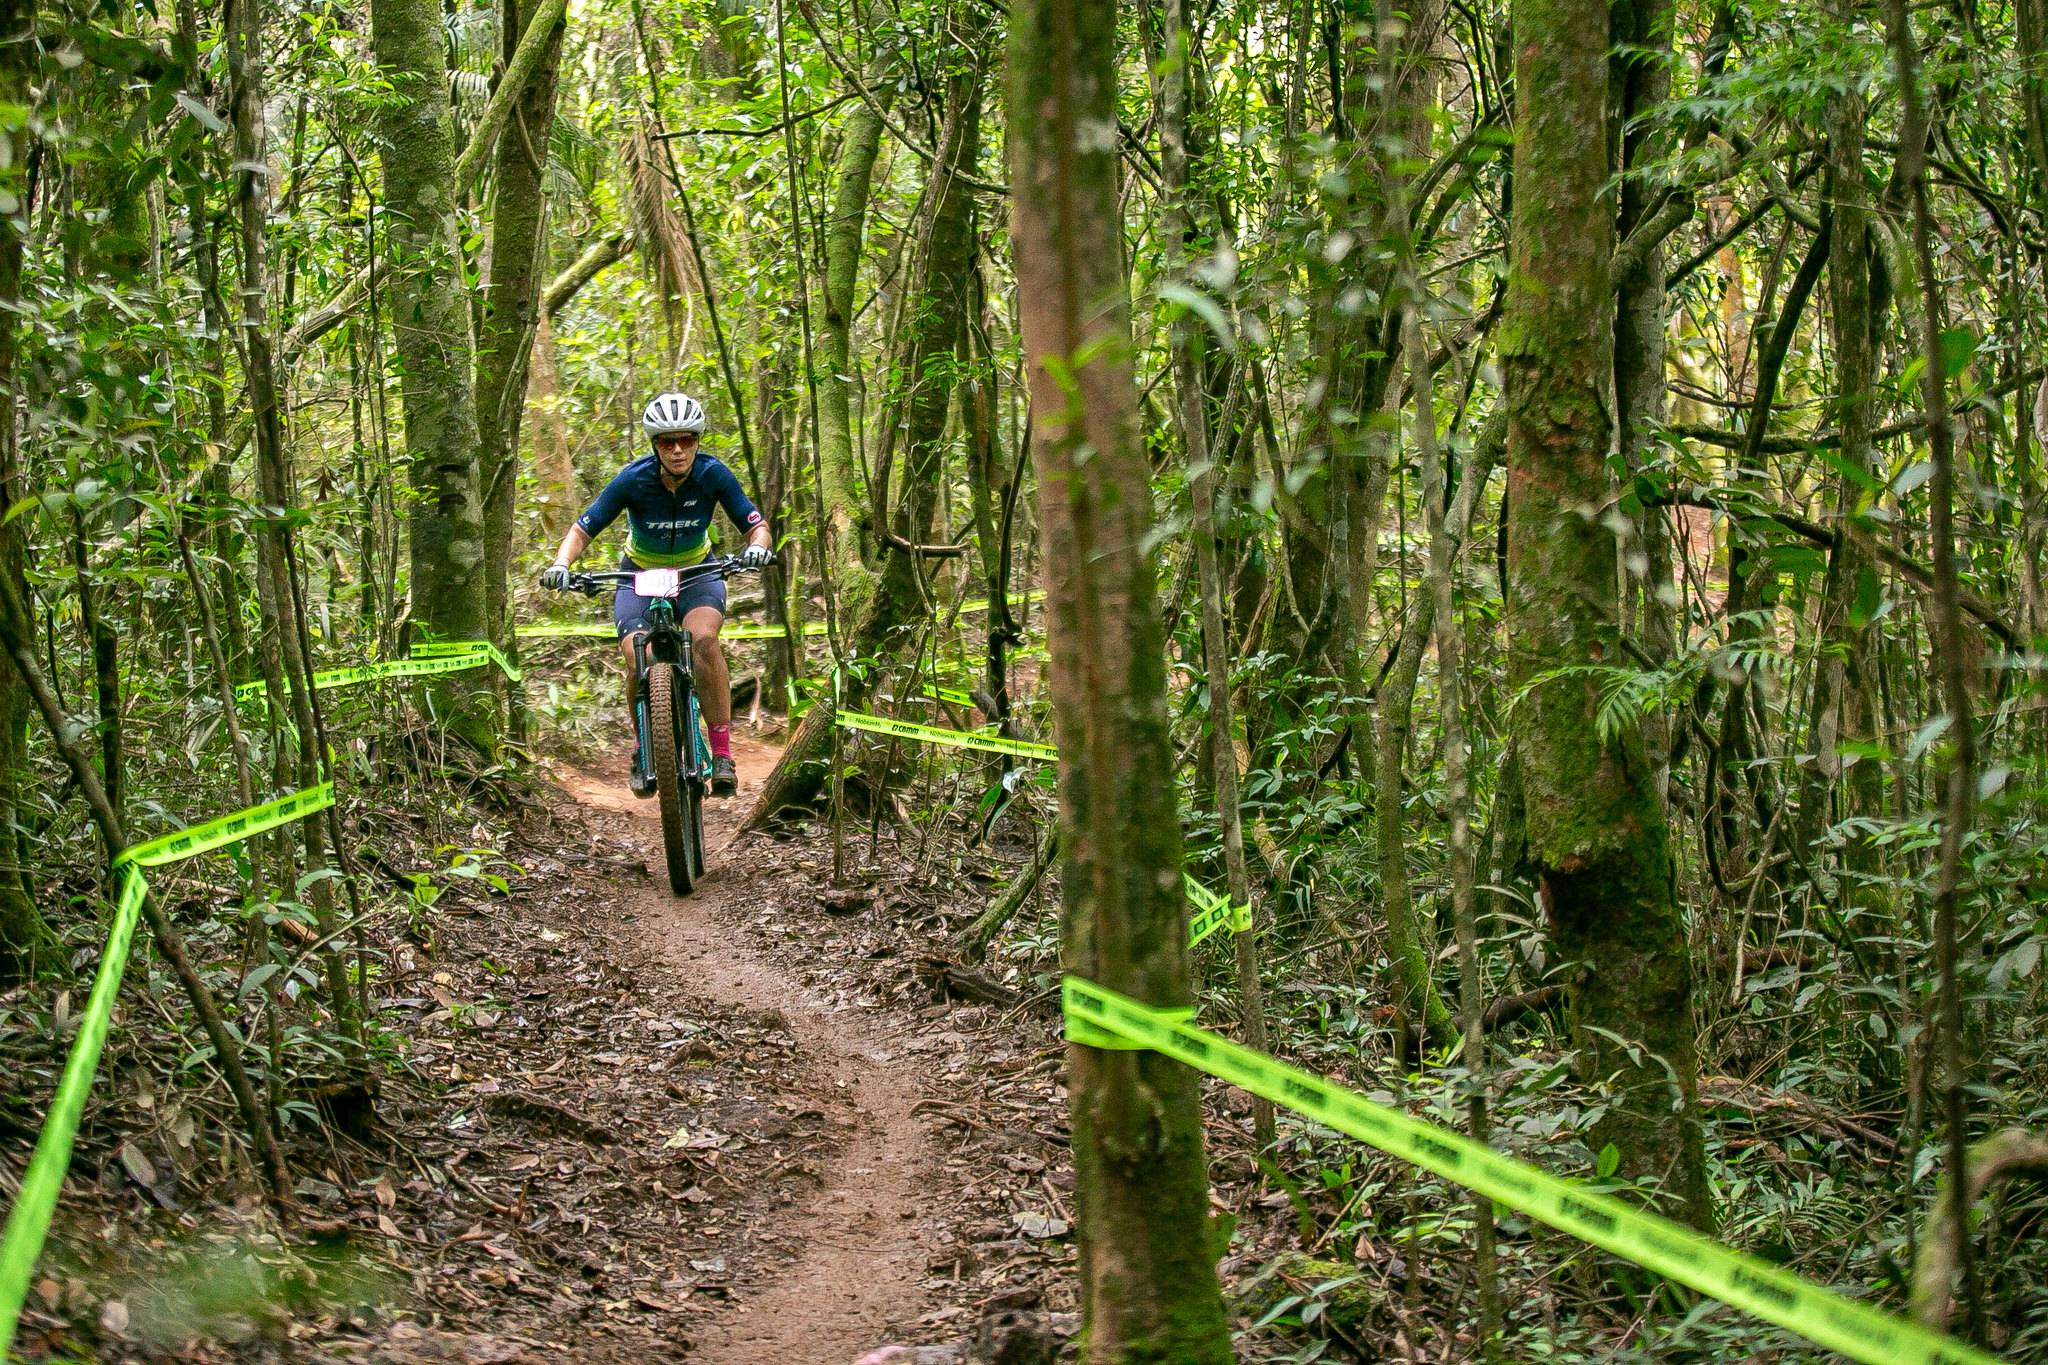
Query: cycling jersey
x=668 y=529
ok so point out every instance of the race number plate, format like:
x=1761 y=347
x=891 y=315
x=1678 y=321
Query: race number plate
x=658 y=583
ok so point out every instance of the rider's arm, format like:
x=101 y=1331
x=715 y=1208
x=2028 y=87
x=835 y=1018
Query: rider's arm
x=573 y=546
x=741 y=509
x=604 y=509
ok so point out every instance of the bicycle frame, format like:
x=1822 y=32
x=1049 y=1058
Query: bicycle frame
x=665 y=641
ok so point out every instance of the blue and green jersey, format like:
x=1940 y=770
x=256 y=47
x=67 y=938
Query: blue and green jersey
x=669 y=528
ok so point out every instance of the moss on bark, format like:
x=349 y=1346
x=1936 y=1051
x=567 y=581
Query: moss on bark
x=1596 y=830
x=430 y=324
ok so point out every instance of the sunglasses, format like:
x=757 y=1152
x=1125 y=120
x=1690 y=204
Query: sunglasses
x=683 y=442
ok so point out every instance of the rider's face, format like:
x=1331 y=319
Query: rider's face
x=676 y=453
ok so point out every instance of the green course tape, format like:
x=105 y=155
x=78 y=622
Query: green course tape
x=568 y=630
x=959 y=739
x=1857 y=1330
x=28 y=1222
x=477 y=651
x=1213 y=912
x=952 y=696
x=747 y=631
x=228 y=829
x=442 y=656
x=323 y=680
x=1017 y=599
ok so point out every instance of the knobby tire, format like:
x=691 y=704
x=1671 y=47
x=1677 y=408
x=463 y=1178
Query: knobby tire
x=680 y=819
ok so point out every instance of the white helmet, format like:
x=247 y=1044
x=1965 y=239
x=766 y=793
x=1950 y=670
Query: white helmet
x=671 y=414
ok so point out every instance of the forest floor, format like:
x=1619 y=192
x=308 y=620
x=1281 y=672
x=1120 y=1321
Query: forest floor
x=745 y=1126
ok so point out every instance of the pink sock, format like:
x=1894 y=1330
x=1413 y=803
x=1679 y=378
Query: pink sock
x=721 y=740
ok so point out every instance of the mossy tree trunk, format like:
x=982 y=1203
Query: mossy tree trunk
x=512 y=307
x=430 y=322
x=938 y=307
x=840 y=539
x=1148 y=1278
x=1596 y=830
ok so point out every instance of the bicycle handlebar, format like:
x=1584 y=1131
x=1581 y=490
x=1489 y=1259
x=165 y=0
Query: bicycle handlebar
x=591 y=584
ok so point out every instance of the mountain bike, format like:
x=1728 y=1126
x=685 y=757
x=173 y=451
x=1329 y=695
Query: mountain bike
x=668 y=732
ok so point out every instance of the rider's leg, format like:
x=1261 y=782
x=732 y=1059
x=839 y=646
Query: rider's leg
x=714 y=682
x=629 y=647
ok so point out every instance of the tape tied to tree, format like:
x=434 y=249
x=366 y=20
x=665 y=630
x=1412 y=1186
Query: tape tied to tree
x=1213 y=912
x=959 y=739
x=28 y=1222
x=1678 y=1253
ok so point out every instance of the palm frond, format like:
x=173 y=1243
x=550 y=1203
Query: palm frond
x=656 y=225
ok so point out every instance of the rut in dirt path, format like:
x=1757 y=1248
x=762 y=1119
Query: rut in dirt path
x=863 y=1241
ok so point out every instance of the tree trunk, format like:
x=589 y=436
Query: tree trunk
x=1191 y=410
x=512 y=308
x=23 y=935
x=283 y=622
x=838 y=456
x=1596 y=830
x=1148 y=1277
x=1842 y=710
x=1640 y=72
x=435 y=350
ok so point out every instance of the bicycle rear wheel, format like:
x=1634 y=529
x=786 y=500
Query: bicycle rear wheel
x=681 y=821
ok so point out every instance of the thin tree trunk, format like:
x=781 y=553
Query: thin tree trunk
x=1446 y=539
x=1843 y=710
x=1148 y=1276
x=24 y=937
x=106 y=670
x=937 y=304
x=1596 y=831
x=1952 y=648
x=283 y=619
x=1191 y=410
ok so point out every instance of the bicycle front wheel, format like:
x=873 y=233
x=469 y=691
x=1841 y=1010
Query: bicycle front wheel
x=667 y=714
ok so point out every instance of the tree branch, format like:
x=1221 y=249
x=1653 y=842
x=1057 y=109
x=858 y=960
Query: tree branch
x=599 y=256
x=1919 y=574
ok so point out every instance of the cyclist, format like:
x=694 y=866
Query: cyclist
x=668 y=498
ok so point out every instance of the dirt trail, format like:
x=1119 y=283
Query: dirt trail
x=861 y=1242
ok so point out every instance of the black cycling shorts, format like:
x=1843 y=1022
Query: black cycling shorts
x=629 y=608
